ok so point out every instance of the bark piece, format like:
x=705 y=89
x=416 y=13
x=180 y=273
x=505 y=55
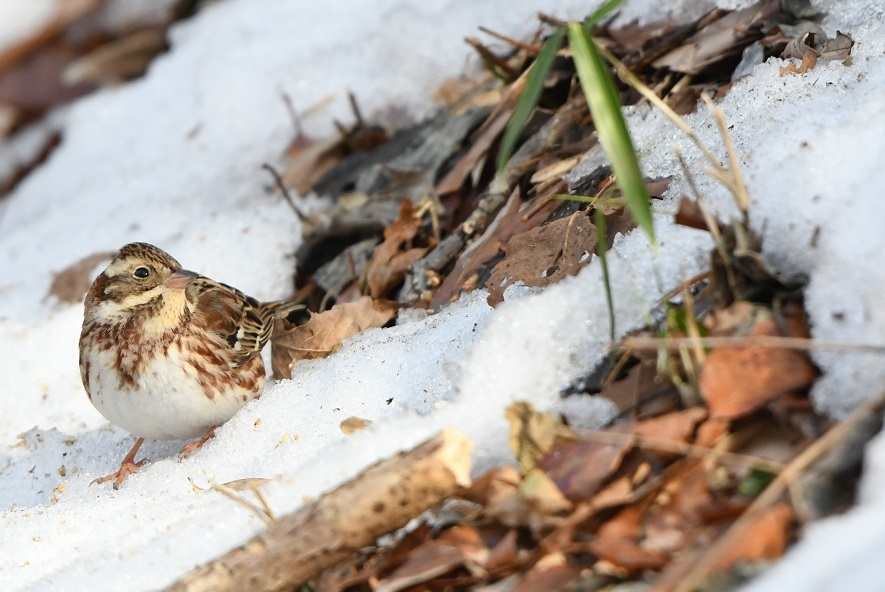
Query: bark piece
x=380 y=500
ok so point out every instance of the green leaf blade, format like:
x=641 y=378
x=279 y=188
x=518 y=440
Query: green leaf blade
x=531 y=94
x=602 y=98
x=602 y=12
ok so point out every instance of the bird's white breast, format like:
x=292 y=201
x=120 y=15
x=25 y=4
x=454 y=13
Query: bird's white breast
x=167 y=402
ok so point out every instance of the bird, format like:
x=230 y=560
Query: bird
x=168 y=354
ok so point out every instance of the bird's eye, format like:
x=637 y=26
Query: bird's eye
x=141 y=272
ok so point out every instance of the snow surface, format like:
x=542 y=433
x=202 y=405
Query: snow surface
x=175 y=159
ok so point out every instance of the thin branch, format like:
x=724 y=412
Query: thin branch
x=282 y=187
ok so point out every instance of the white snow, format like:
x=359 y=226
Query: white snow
x=175 y=159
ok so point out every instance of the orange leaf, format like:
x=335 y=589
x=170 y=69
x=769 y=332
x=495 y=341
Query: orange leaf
x=766 y=538
x=735 y=381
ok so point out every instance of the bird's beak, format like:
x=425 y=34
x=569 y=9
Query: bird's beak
x=179 y=280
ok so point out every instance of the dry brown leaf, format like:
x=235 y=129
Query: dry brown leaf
x=544 y=255
x=354 y=424
x=323 y=333
x=469 y=541
x=247 y=484
x=71 y=284
x=124 y=58
x=543 y=494
x=308 y=160
x=722 y=38
x=479 y=149
x=532 y=434
x=553 y=572
x=677 y=426
x=809 y=61
x=393 y=257
x=767 y=538
x=515 y=217
x=579 y=467
x=65 y=14
x=735 y=381
x=709 y=432
x=428 y=561
x=626 y=554
x=838 y=48
x=625 y=525
x=638 y=389
x=690 y=214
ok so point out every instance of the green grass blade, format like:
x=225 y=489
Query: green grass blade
x=601 y=12
x=599 y=220
x=602 y=98
x=531 y=94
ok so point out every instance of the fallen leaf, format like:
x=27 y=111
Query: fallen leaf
x=736 y=380
x=515 y=217
x=766 y=538
x=553 y=572
x=690 y=214
x=626 y=524
x=532 y=434
x=809 y=61
x=247 y=484
x=838 y=48
x=722 y=38
x=677 y=426
x=308 y=160
x=428 y=561
x=353 y=424
x=626 y=554
x=544 y=255
x=478 y=151
x=543 y=494
x=395 y=256
x=579 y=467
x=72 y=283
x=324 y=332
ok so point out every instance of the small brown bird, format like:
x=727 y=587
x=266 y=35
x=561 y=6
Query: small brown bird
x=166 y=353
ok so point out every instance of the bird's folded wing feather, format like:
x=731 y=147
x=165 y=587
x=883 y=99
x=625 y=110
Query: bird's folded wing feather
x=242 y=321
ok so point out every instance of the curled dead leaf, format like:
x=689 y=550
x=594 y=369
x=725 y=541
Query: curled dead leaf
x=395 y=256
x=324 y=332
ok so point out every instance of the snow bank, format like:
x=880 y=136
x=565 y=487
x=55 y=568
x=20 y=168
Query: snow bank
x=175 y=159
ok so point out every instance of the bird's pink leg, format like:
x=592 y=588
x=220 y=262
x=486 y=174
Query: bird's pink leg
x=193 y=446
x=128 y=466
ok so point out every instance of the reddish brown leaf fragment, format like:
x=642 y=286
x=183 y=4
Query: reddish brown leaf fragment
x=428 y=561
x=678 y=426
x=323 y=333
x=735 y=381
x=478 y=151
x=626 y=554
x=71 y=284
x=625 y=525
x=308 y=160
x=809 y=61
x=579 y=467
x=689 y=214
x=393 y=257
x=767 y=537
x=551 y=573
x=544 y=255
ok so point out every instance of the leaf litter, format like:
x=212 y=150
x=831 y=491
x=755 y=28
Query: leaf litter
x=716 y=459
